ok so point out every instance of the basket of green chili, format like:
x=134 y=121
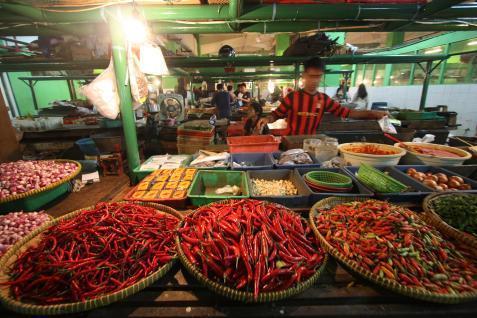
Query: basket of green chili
x=89 y=258
x=454 y=214
x=392 y=247
x=249 y=250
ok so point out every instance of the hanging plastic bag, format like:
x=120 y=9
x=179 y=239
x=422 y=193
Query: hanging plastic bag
x=137 y=81
x=102 y=93
x=152 y=60
x=386 y=125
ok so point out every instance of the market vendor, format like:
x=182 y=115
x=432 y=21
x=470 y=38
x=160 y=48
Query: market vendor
x=243 y=96
x=304 y=108
x=221 y=100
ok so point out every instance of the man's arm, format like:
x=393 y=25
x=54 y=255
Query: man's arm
x=367 y=114
x=340 y=111
x=280 y=112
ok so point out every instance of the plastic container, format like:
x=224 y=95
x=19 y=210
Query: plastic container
x=358 y=190
x=434 y=170
x=202 y=190
x=87 y=147
x=414 y=158
x=296 y=141
x=265 y=143
x=257 y=160
x=417 y=190
x=355 y=159
x=378 y=180
x=108 y=143
x=299 y=200
x=276 y=155
x=410 y=115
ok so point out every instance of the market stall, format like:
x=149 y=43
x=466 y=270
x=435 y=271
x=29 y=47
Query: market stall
x=326 y=224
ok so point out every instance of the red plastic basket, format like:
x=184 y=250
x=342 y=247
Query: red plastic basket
x=266 y=143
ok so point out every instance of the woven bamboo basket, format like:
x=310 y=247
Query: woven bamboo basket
x=380 y=281
x=434 y=219
x=68 y=308
x=46 y=188
x=242 y=296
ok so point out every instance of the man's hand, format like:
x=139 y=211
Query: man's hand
x=262 y=122
x=378 y=114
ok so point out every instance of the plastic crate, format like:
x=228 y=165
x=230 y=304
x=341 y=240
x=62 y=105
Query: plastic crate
x=276 y=155
x=87 y=147
x=258 y=160
x=214 y=179
x=299 y=200
x=35 y=202
x=468 y=171
x=424 y=169
x=358 y=190
x=417 y=115
x=378 y=180
x=265 y=143
x=416 y=193
x=187 y=129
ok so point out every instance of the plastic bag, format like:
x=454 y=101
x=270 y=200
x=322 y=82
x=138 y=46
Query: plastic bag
x=102 y=93
x=152 y=61
x=137 y=81
x=386 y=125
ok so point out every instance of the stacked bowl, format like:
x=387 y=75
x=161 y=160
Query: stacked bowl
x=329 y=182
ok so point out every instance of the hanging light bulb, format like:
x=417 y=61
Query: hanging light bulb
x=135 y=28
x=271 y=86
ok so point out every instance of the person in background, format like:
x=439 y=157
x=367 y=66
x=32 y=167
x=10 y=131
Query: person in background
x=230 y=89
x=361 y=97
x=243 y=96
x=340 y=93
x=221 y=100
x=255 y=111
x=304 y=108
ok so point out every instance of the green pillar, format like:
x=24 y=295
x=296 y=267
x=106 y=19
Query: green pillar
x=282 y=42
x=387 y=74
x=374 y=75
x=353 y=79
x=119 y=50
x=197 y=40
x=394 y=38
x=442 y=71
x=297 y=75
x=425 y=85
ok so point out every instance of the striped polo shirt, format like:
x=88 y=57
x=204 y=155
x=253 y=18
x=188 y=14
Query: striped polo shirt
x=305 y=111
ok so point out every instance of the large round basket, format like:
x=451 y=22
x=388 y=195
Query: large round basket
x=431 y=217
x=34 y=199
x=68 y=308
x=380 y=281
x=241 y=295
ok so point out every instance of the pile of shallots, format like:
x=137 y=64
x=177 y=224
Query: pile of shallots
x=22 y=176
x=16 y=225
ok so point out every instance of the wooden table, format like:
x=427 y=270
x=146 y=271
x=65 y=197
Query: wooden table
x=336 y=294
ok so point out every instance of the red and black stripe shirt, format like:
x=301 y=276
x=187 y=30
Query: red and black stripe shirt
x=305 y=111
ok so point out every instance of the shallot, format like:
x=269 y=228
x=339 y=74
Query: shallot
x=16 y=225
x=23 y=176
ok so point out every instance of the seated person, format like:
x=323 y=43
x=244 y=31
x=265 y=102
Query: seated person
x=255 y=111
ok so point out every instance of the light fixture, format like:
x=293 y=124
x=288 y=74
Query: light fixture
x=134 y=28
x=156 y=82
x=472 y=43
x=271 y=86
x=432 y=51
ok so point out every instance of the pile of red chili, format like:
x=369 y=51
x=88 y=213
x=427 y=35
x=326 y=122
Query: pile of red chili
x=98 y=252
x=251 y=245
x=392 y=242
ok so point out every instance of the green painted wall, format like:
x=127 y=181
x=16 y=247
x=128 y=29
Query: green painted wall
x=45 y=91
x=282 y=42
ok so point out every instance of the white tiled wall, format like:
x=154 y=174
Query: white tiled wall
x=459 y=98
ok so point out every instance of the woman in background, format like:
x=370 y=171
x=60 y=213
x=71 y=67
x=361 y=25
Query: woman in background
x=361 y=98
x=255 y=111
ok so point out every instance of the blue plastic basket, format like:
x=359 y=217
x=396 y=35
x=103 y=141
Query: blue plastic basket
x=257 y=161
x=87 y=147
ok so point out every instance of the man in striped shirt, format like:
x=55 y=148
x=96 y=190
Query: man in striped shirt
x=304 y=108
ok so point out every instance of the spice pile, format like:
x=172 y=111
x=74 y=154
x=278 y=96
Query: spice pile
x=371 y=150
x=251 y=245
x=391 y=242
x=23 y=176
x=459 y=211
x=16 y=225
x=97 y=252
x=261 y=187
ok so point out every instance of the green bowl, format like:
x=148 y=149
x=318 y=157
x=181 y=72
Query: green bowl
x=329 y=179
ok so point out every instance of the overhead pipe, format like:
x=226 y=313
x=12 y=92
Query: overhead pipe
x=299 y=26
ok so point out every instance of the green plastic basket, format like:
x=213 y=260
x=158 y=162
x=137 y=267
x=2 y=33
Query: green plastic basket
x=379 y=181
x=210 y=179
x=329 y=179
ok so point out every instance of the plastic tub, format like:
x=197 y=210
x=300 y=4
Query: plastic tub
x=206 y=181
x=299 y=200
x=355 y=159
x=358 y=190
x=414 y=158
x=434 y=170
x=276 y=155
x=416 y=194
x=87 y=147
x=265 y=143
x=258 y=160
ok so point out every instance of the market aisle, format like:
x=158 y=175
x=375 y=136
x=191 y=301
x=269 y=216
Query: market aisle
x=110 y=188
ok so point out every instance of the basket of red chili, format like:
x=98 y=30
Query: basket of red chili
x=250 y=250
x=89 y=258
x=392 y=247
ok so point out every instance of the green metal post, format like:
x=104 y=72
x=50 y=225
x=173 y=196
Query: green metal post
x=388 y=70
x=353 y=79
x=197 y=40
x=297 y=75
x=364 y=73
x=413 y=71
x=444 y=65
x=425 y=85
x=470 y=71
x=374 y=75
x=119 y=50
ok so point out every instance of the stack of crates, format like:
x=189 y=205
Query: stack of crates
x=194 y=135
